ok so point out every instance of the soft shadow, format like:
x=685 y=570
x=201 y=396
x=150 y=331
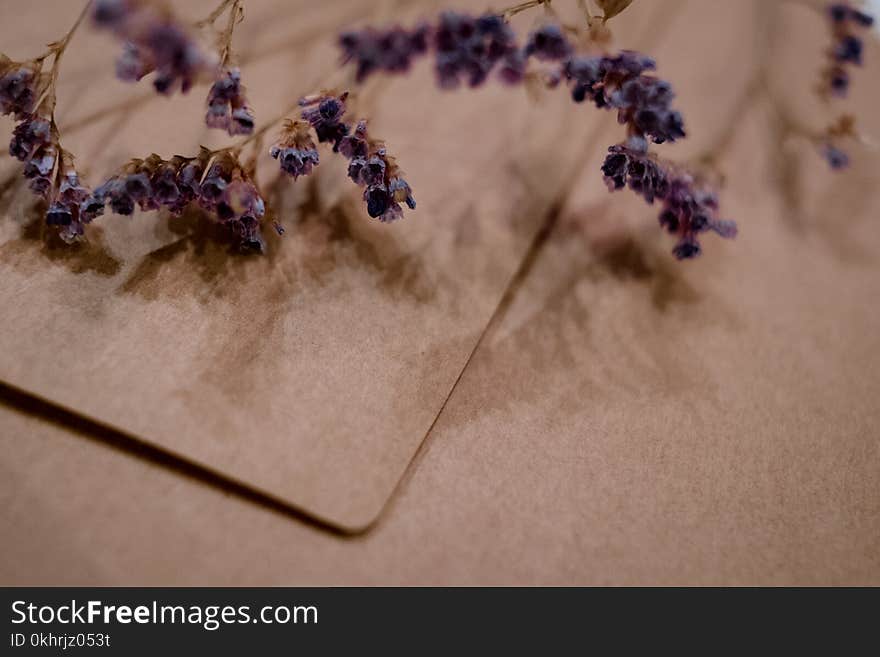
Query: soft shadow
x=339 y=234
x=629 y=259
x=83 y=428
x=208 y=256
x=319 y=240
x=547 y=325
x=37 y=242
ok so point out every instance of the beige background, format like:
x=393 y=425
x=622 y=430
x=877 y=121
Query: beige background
x=626 y=419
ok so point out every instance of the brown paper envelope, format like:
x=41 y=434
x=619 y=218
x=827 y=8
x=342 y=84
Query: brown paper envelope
x=626 y=420
x=311 y=374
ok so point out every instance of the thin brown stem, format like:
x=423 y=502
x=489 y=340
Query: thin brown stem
x=321 y=81
x=523 y=6
x=236 y=15
x=214 y=15
x=57 y=50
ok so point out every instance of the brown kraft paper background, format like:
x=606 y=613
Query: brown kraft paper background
x=625 y=419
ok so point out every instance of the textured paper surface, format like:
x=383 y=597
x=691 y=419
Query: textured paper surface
x=626 y=420
x=311 y=374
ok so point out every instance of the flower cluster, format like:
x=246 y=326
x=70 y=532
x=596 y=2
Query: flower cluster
x=68 y=207
x=689 y=208
x=217 y=182
x=548 y=43
x=227 y=105
x=296 y=150
x=846 y=20
x=391 y=50
x=51 y=174
x=843 y=129
x=324 y=112
x=20 y=84
x=643 y=102
x=468 y=49
x=369 y=164
x=153 y=41
x=27 y=94
x=35 y=142
x=372 y=168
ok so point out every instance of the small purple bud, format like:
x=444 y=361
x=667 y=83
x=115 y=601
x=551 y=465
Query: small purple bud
x=59 y=214
x=548 y=43
x=687 y=249
x=836 y=158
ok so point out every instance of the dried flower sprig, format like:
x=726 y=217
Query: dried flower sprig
x=325 y=113
x=228 y=108
x=469 y=49
x=227 y=105
x=20 y=86
x=830 y=142
x=28 y=93
x=369 y=164
x=217 y=181
x=643 y=102
x=690 y=205
x=295 y=150
x=371 y=167
x=847 y=22
x=391 y=51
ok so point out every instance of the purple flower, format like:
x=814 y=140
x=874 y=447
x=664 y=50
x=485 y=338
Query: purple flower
x=848 y=47
x=92 y=207
x=513 y=68
x=324 y=113
x=295 y=150
x=689 y=208
x=401 y=192
x=71 y=190
x=59 y=214
x=227 y=105
x=153 y=41
x=229 y=193
x=838 y=12
x=225 y=190
x=849 y=50
x=356 y=145
x=372 y=168
x=837 y=159
x=113 y=13
x=18 y=87
x=468 y=48
x=861 y=18
x=643 y=102
x=548 y=43
x=65 y=199
x=839 y=82
x=35 y=143
x=391 y=50
x=30 y=136
x=131 y=65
